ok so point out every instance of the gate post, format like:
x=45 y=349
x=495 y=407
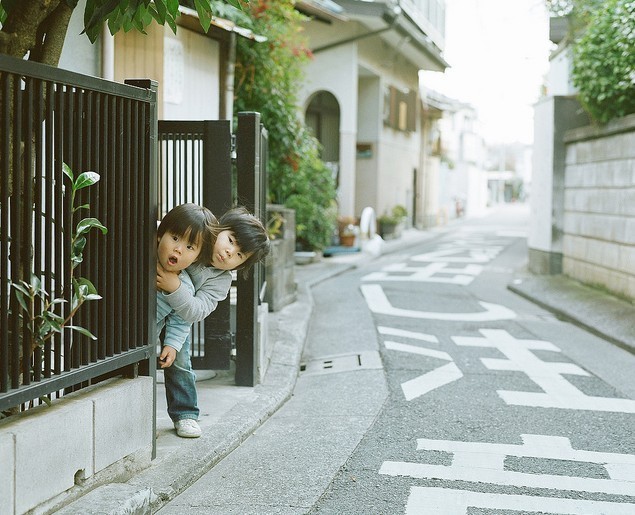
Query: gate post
x=217 y=196
x=250 y=169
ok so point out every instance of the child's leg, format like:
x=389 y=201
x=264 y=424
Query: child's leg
x=180 y=386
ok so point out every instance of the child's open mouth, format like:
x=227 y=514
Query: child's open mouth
x=172 y=261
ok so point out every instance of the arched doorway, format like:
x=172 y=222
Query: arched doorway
x=323 y=118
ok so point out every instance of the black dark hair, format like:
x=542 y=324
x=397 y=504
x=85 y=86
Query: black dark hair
x=250 y=234
x=199 y=220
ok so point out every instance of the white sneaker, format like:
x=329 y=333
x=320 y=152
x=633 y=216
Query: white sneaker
x=187 y=428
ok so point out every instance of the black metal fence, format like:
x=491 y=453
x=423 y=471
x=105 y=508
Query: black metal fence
x=196 y=165
x=49 y=117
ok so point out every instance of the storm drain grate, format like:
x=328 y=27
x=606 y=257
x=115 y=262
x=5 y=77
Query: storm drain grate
x=368 y=360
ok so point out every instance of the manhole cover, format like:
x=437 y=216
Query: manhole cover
x=342 y=363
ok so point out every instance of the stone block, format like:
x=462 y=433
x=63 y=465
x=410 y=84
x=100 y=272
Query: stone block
x=7 y=465
x=123 y=420
x=53 y=446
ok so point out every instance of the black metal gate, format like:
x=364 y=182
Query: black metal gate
x=196 y=165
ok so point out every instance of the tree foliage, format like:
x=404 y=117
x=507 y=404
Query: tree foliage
x=604 y=62
x=267 y=78
x=602 y=34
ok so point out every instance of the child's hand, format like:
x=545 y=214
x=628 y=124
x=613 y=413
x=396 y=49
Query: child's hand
x=167 y=357
x=168 y=282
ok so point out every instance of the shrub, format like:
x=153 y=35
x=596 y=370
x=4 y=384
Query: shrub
x=267 y=76
x=604 y=61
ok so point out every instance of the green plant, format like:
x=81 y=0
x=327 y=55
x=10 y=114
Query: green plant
x=267 y=77
x=274 y=225
x=37 y=308
x=603 y=43
x=396 y=215
x=604 y=62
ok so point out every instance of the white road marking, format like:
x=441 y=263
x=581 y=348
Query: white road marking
x=558 y=392
x=431 y=380
x=413 y=349
x=379 y=303
x=428 y=273
x=394 y=331
x=446 y=501
x=484 y=463
x=475 y=255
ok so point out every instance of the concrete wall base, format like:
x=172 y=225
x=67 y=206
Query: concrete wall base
x=544 y=263
x=98 y=435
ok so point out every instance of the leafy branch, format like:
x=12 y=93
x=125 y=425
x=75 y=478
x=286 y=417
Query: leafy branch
x=42 y=323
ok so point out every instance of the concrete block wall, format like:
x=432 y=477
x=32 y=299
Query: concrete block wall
x=281 y=285
x=599 y=206
x=47 y=452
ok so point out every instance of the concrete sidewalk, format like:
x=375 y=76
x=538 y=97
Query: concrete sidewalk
x=230 y=414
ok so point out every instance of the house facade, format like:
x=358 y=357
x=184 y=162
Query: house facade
x=361 y=98
x=194 y=69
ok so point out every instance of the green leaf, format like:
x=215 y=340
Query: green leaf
x=81 y=330
x=204 y=13
x=83 y=206
x=89 y=287
x=173 y=7
x=87 y=224
x=85 y=179
x=21 y=300
x=78 y=247
x=67 y=171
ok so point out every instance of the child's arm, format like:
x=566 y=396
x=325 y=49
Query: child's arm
x=176 y=332
x=212 y=286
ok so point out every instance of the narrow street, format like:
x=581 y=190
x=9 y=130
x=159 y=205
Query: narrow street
x=430 y=388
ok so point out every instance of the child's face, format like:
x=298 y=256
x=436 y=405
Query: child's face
x=227 y=254
x=176 y=253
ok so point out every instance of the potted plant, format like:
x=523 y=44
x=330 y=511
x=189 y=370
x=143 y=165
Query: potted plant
x=391 y=224
x=347 y=230
x=348 y=235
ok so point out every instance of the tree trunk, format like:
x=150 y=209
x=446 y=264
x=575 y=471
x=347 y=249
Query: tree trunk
x=37 y=28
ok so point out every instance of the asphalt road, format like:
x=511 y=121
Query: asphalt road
x=429 y=388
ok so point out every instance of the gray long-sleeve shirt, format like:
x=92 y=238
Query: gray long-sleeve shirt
x=211 y=286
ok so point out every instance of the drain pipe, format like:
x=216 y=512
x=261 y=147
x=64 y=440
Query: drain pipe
x=390 y=17
x=228 y=107
x=107 y=54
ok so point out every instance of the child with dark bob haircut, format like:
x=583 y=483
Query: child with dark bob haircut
x=237 y=242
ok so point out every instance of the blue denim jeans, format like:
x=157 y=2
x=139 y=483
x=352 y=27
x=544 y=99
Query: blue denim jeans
x=180 y=386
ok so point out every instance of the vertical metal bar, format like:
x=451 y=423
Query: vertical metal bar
x=27 y=199
x=148 y=221
x=136 y=173
x=18 y=241
x=112 y=229
x=217 y=196
x=5 y=230
x=39 y=207
x=52 y=353
x=101 y=134
x=248 y=172
x=126 y=249
x=70 y=354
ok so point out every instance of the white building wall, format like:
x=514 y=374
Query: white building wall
x=335 y=71
x=558 y=79
x=191 y=67
x=78 y=54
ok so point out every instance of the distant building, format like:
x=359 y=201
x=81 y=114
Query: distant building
x=361 y=98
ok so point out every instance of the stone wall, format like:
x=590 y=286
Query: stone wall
x=599 y=206
x=281 y=286
x=50 y=456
